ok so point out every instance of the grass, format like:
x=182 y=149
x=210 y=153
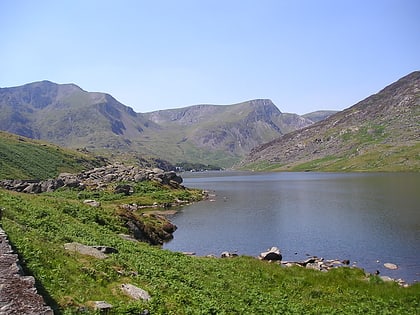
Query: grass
x=24 y=158
x=39 y=225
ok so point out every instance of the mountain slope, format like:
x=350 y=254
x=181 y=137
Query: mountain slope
x=228 y=130
x=209 y=134
x=24 y=158
x=381 y=132
x=67 y=115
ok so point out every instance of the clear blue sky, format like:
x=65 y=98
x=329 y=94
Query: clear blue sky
x=150 y=55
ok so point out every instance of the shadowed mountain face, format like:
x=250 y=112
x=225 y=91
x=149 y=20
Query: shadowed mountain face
x=381 y=132
x=209 y=134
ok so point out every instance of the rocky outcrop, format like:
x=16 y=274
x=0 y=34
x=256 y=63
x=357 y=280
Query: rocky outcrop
x=18 y=294
x=97 y=178
x=147 y=227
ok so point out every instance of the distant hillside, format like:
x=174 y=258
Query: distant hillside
x=319 y=115
x=222 y=134
x=24 y=158
x=380 y=133
x=207 y=134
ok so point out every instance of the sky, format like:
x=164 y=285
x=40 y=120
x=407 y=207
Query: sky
x=304 y=55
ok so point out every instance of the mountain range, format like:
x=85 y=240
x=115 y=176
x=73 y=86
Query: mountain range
x=381 y=133
x=67 y=115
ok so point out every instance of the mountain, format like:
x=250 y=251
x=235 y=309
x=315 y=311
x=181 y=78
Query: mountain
x=208 y=134
x=223 y=133
x=382 y=132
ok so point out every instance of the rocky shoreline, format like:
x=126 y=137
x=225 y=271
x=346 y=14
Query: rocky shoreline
x=312 y=262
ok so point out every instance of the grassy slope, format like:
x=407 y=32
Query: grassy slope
x=39 y=225
x=25 y=158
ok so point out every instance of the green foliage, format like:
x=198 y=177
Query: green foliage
x=39 y=225
x=27 y=159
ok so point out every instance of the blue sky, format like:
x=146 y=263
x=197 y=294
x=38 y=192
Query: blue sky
x=150 y=55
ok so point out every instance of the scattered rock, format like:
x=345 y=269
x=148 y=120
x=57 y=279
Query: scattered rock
x=97 y=178
x=390 y=266
x=135 y=292
x=271 y=254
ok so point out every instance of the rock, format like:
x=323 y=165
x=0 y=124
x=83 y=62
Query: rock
x=92 y=203
x=390 y=266
x=84 y=250
x=124 y=189
x=271 y=254
x=386 y=278
x=135 y=292
x=106 y=249
x=18 y=294
x=102 y=306
x=227 y=254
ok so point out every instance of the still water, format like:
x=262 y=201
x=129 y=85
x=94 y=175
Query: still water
x=369 y=219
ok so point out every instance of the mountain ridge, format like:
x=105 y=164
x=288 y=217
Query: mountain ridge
x=375 y=128
x=69 y=116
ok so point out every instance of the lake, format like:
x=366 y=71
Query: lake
x=367 y=218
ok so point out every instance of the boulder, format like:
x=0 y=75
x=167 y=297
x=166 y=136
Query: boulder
x=271 y=254
x=135 y=292
x=227 y=254
x=390 y=266
x=84 y=250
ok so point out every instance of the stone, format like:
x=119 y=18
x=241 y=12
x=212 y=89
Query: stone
x=92 y=203
x=106 y=249
x=102 y=306
x=390 y=266
x=135 y=292
x=227 y=254
x=271 y=254
x=84 y=250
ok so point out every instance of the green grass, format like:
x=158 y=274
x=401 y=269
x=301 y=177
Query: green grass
x=24 y=158
x=39 y=225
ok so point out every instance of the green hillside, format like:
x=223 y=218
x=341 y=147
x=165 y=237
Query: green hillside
x=24 y=158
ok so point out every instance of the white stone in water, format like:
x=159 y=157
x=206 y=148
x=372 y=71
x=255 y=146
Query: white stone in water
x=390 y=266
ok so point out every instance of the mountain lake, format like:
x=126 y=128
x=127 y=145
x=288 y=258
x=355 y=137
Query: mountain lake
x=367 y=218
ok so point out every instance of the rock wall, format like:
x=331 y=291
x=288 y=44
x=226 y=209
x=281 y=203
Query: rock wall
x=18 y=294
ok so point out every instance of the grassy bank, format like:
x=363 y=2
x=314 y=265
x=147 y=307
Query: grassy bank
x=39 y=226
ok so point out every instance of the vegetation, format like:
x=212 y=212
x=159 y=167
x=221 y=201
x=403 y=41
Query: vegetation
x=39 y=226
x=25 y=158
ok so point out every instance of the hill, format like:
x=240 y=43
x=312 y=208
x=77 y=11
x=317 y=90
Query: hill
x=221 y=134
x=380 y=133
x=24 y=158
x=208 y=134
